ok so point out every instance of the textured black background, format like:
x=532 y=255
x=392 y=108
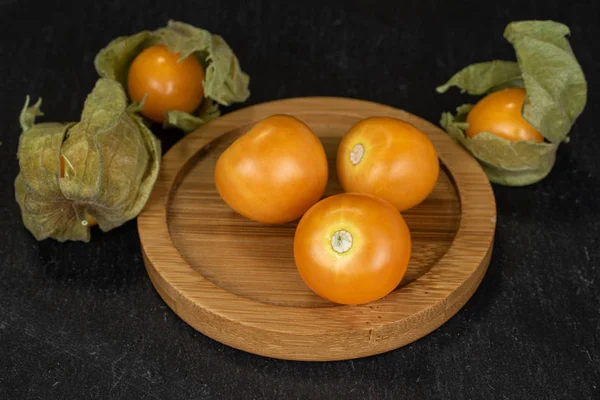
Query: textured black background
x=83 y=320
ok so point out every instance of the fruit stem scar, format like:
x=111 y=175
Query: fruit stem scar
x=357 y=153
x=341 y=241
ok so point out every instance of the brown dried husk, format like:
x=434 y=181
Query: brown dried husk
x=111 y=164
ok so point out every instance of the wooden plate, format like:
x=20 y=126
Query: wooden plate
x=235 y=280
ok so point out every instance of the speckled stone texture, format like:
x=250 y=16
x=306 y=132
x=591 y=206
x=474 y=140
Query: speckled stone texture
x=83 y=320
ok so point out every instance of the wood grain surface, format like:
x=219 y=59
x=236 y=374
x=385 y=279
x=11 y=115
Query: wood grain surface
x=235 y=280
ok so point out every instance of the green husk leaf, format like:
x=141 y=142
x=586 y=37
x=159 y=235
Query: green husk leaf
x=504 y=162
x=184 y=39
x=484 y=77
x=113 y=61
x=45 y=211
x=555 y=83
x=48 y=217
x=187 y=122
x=224 y=83
x=114 y=158
x=111 y=164
x=29 y=114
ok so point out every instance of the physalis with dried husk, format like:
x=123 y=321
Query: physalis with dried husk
x=99 y=170
x=181 y=73
x=528 y=106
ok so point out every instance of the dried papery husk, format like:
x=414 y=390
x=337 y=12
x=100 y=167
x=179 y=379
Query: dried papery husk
x=556 y=95
x=224 y=83
x=111 y=162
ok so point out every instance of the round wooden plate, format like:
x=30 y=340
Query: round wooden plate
x=235 y=280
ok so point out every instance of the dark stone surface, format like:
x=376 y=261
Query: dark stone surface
x=83 y=320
